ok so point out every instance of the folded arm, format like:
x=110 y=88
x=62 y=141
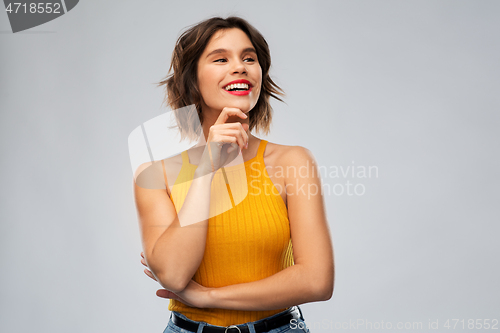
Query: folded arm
x=310 y=279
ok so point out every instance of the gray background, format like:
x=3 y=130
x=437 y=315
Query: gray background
x=408 y=86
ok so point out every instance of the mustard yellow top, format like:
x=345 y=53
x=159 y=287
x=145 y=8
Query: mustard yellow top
x=245 y=243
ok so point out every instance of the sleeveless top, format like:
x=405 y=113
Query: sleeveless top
x=247 y=242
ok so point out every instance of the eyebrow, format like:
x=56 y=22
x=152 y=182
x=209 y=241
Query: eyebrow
x=248 y=49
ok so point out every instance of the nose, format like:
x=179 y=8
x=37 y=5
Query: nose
x=238 y=67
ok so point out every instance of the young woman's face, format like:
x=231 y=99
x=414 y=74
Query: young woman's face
x=229 y=57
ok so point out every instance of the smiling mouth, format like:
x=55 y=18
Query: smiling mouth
x=237 y=87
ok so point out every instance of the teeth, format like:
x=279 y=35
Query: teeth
x=237 y=85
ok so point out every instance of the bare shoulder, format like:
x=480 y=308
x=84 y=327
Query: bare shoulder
x=285 y=155
x=156 y=174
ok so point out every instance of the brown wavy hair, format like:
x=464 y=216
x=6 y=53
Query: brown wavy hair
x=181 y=83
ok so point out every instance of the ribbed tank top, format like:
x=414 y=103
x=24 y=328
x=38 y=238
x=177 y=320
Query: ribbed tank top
x=248 y=242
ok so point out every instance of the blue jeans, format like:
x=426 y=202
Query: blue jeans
x=295 y=326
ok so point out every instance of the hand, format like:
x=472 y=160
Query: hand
x=221 y=136
x=194 y=295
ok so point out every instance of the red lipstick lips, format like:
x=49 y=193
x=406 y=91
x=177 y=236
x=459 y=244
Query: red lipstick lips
x=239 y=92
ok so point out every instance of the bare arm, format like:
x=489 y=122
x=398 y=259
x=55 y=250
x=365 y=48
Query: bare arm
x=174 y=243
x=311 y=278
x=173 y=252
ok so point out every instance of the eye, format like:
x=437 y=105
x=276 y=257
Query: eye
x=250 y=59
x=219 y=60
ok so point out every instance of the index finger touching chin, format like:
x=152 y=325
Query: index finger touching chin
x=227 y=112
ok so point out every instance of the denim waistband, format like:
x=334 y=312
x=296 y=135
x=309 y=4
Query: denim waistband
x=249 y=324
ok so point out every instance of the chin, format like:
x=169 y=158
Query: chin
x=243 y=106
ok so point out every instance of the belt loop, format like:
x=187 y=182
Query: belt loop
x=301 y=316
x=200 y=327
x=251 y=328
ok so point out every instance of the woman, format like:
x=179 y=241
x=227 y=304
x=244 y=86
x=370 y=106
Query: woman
x=244 y=269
